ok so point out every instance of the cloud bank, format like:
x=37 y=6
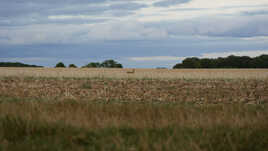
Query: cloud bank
x=156 y=30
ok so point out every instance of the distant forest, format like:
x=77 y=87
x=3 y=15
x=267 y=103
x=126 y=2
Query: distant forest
x=16 y=64
x=193 y=62
x=228 y=62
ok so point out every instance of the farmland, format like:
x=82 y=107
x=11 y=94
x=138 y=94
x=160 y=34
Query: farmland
x=139 y=73
x=150 y=109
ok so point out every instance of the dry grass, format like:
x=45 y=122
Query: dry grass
x=98 y=115
x=139 y=73
x=83 y=125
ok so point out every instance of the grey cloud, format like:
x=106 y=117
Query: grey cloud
x=80 y=33
x=166 y=3
x=15 y=22
x=254 y=13
x=4 y=38
x=127 y=6
x=252 y=29
x=217 y=26
x=49 y=7
x=41 y=29
x=248 y=26
x=36 y=12
x=99 y=9
x=119 y=13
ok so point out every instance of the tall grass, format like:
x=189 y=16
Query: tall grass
x=74 y=125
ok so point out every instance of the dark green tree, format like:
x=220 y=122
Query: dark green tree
x=232 y=62
x=111 y=64
x=178 y=66
x=16 y=64
x=191 y=63
x=72 y=66
x=228 y=62
x=245 y=62
x=60 y=65
x=207 y=63
x=93 y=65
x=260 y=62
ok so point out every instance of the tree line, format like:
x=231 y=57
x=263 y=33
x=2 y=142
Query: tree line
x=228 y=62
x=193 y=62
x=16 y=64
x=104 y=64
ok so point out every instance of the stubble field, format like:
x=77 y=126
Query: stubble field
x=151 y=109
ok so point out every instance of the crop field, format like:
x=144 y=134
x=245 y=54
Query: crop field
x=150 y=109
x=139 y=73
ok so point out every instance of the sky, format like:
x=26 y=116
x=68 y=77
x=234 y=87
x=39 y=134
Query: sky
x=135 y=33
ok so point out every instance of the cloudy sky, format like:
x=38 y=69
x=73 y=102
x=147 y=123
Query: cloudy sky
x=136 y=33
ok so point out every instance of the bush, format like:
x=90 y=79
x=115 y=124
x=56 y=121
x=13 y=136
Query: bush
x=92 y=65
x=104 y=64
x=111 y=64
x=72 y=66
x=60 y=65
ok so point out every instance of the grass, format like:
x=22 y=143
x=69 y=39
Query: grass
x=95 y=110
x=72 y=125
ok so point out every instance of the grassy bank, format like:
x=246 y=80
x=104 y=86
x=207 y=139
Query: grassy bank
x=86 y=125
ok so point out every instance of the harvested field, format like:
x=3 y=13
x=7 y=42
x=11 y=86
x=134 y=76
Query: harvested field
x=109 y=109
x=148 y=90
x=139 y=73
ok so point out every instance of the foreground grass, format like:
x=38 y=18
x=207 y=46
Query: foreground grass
x=94 y=125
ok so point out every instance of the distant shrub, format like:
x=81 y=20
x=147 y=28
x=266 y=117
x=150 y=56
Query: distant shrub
x=92 y=65
x=161 y=68
x=72 y=66
x=104 y=64
x=60 y=65
x=111 y=64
